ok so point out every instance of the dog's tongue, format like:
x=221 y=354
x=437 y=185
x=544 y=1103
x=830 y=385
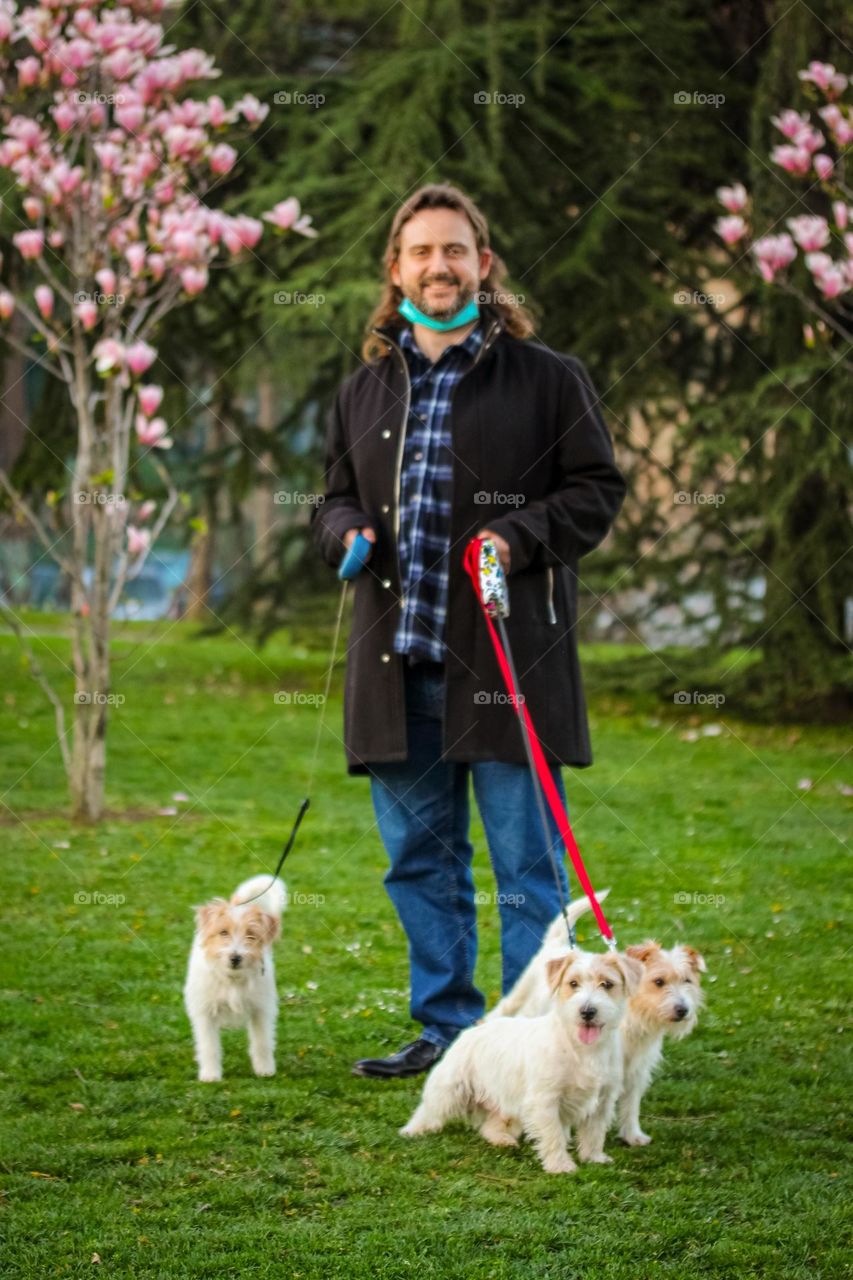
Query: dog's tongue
x=589 y=1035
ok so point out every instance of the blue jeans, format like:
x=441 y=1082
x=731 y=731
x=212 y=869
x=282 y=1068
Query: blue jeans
x=422 y=811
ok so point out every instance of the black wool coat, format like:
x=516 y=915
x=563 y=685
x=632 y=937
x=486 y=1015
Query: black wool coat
x=532 y=460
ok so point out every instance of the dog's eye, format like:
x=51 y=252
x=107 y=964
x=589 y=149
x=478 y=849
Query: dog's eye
x=660 y=982
x=223 y=933
x=607 y=984
x=688 y=979
x=250 y=937
x=573 y=983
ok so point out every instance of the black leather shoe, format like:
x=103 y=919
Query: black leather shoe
x=415 y=1058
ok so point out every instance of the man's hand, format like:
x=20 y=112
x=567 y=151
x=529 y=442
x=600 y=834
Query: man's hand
x=501 y=545
x=351 y=535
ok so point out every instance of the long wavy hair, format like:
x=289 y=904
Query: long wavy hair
x=517 y=320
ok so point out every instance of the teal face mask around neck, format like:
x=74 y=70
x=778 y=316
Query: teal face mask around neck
x=410 y=312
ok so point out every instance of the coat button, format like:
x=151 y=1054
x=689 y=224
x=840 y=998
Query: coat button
x=386 y=434
x=386 y=657
x=386 y=582
x=385 y=508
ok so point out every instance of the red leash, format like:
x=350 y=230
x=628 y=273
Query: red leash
x=471 y=562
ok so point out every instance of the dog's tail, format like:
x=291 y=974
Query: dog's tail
x=269 y=895
x=556 y=934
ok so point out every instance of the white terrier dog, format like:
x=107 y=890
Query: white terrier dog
x=541 y=1075
x=666 y=1004
x=231 y=979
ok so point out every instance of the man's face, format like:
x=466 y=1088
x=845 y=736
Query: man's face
x=439 y=268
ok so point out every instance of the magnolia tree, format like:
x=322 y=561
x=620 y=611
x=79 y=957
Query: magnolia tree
x=112 y=162
x=816 y=154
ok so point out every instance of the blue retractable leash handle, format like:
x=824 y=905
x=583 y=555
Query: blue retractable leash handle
x=355 y=559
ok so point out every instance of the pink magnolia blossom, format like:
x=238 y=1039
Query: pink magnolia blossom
x=251 y=109
x=242 y=232
x=44 y=300
x=823 y=166
x=790 y=122
x=792 y=159
x=832 y=283
x=733 y=198
x=774 y=253
x=840 y=213
x=28 y=72
x=194 y=280
x=819 y=263
x=146 y=510
x=7 y=304
x=286 y=216
x=106 y=278
x=152 y=432
x=30 y=244
x=138 y=540
x=135 y=254
x=222 y=158
x=149 y=398
x=731 y=229
x=824 y=75
x=87 y=312
x=109 y=356
x=140 y=357
x=810 y=232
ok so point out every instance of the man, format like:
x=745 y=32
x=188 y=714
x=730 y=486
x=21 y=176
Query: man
x=456 y=426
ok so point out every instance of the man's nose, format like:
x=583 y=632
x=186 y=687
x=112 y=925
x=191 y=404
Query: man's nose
x=438 y=264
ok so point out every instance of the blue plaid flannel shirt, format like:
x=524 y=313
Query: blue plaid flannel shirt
x=425 y=494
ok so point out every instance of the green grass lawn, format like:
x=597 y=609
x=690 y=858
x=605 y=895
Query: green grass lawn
x=111 y=1148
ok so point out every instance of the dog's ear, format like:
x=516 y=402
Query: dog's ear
x=267 y=925
x=554 y=970
x=271 y=926
x=630 y=970
x=643 y=951
x=205 y=914
x=696 y=962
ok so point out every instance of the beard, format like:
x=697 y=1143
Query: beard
x=419 y=295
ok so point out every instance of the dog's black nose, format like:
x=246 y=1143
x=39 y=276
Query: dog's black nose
x=236 y=961
x=680 y=1011
x=588 y=1012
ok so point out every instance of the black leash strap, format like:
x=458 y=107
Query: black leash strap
x=303 y=808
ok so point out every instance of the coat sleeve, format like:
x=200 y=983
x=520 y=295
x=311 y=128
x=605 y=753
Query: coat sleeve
x=577 y=516
x=340 y=508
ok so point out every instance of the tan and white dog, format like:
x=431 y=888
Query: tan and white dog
x=665 y=1005
x=541 y=1075
x=230 y=979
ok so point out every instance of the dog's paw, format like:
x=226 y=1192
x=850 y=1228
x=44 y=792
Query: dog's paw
x=600 y=1157
x=635 y=1139
x=265 y=1068
x=210 y=1077
x=500 y=1139
x=560 y=1164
